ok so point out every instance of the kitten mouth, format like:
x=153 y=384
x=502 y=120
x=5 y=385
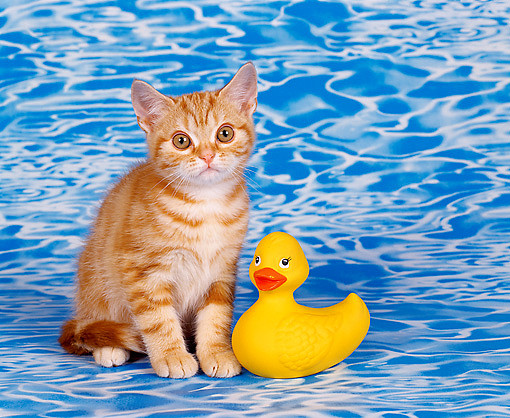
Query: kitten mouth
x=208 y=172
x=208 y=175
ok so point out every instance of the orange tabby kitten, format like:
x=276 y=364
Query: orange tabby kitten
x=160 y=263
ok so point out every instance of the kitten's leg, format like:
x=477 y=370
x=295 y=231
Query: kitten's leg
x=110 y=356
x=161 y=331
x=214 y=350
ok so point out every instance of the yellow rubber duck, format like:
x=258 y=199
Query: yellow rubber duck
x=277 y=337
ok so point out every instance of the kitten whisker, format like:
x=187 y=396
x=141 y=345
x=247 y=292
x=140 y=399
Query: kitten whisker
x=157 y=184
x=239 y=171
x=170 y=179
x=182 y=181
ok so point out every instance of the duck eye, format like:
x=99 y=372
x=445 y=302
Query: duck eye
x=257 y=260
x=284 y=263
x=225 y=134
x=181 y=141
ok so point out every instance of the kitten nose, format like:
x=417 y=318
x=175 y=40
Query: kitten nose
x=207 y=156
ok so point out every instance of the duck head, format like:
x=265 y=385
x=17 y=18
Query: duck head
x=279 y=264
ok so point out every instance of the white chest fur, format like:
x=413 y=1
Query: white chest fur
x=208 y=244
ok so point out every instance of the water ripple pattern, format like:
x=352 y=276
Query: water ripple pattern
x=383 y=146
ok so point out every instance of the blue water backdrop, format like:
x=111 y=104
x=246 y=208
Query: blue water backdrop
x=383 y=147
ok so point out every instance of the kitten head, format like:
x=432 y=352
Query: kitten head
x=200 y=138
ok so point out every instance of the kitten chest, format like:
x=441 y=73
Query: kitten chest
x=204 y=240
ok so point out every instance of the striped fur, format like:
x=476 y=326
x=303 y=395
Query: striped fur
x=159 y=267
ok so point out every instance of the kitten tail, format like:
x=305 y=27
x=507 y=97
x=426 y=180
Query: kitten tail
x=81 y=338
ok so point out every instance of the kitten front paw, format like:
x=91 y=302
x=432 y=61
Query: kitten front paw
x=176 y=366
x=110 y=356
x=219 y=363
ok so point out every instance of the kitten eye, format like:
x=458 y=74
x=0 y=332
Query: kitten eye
x=181 y=141
x=284 y=263
x=257 y=260
x=225 y=134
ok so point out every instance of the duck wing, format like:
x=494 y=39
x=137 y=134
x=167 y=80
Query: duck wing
x=304 y=339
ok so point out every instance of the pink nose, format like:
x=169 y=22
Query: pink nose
x=207 y=157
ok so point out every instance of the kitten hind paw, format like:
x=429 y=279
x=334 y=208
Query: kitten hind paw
x=110 y=356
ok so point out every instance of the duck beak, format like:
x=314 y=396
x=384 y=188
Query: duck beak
x=268 y=279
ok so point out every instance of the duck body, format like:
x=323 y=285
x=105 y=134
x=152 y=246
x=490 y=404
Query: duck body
x=279 y=338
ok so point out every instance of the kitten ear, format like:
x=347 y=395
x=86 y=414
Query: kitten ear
x=242 y=89
x=149 y=104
